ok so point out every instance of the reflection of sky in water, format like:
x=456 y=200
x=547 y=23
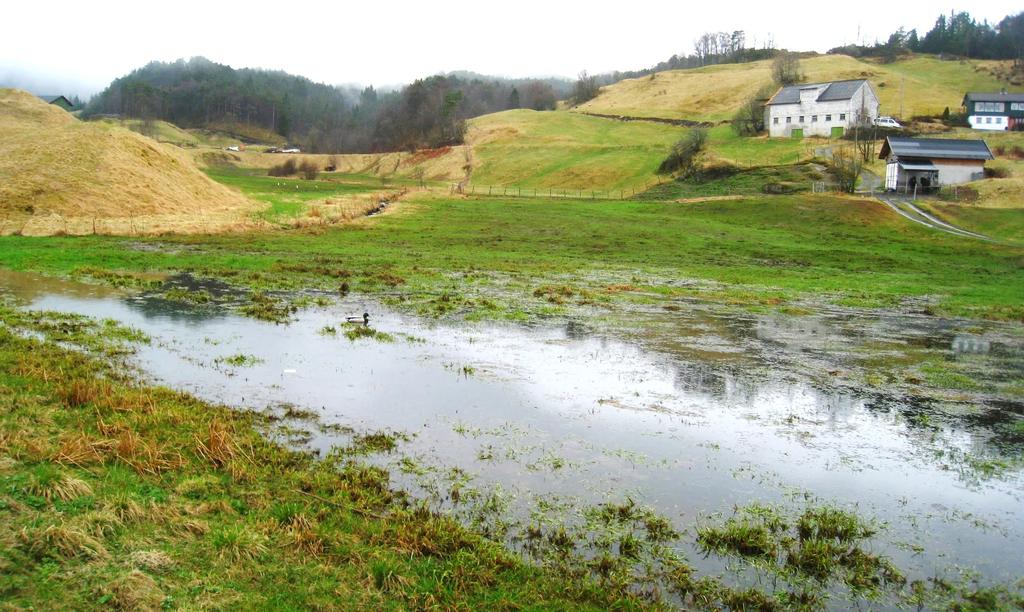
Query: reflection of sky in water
x=684 y=436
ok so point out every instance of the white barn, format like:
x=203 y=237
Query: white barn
x=820 y=109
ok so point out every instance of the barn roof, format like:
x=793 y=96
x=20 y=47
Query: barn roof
x=837 y=90
x=935 y=148
x=993 y=97
x=52 y=99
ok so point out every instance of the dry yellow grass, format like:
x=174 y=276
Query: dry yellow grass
x=714 y=93
x=446 y=164
x=60 y=175
x=1000 y=193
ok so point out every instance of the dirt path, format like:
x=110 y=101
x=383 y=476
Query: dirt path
x=906 y=208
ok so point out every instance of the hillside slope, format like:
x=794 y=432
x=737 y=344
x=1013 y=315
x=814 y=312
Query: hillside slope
x=713 y=93
x=60 y=175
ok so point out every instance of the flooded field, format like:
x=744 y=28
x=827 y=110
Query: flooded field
x=691 y=411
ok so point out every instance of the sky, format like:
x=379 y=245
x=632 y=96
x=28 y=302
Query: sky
x=78 y=47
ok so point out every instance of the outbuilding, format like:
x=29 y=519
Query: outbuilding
x=995 y=111
x=923 y=164
x=60 y=101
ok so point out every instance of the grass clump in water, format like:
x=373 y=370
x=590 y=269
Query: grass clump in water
x=267 y=308
x=240 y=360
x=824 y=544
x=358 y=331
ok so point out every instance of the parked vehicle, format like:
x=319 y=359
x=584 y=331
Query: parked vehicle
x=888 y=122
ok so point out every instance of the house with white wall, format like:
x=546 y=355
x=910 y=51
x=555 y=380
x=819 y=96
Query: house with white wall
x=995 y=111
x=921 y=164
x=820 y=109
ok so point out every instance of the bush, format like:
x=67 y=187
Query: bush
x=778 y=188
x=285 y=169
x=997 y=172
x=309 y=170
x=685 y=154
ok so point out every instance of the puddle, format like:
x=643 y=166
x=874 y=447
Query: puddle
x=692 y=416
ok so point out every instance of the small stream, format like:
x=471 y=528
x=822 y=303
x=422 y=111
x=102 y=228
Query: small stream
x=693 y=415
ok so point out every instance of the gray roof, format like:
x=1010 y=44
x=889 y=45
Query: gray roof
x=838 y=90
x=993 y=97
x=51 y=99
x=935 y=148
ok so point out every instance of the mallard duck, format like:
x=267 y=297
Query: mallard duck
x=365 y=319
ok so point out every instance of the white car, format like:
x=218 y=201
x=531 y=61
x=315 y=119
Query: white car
x=888 y=122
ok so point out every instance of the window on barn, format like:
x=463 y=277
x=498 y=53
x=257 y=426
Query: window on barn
x=999 y=120
x=801 y=118
x=828 y=117
x=814 y=118
x=988 y=119
x=789 y=120
x=775 y=120
x=842 y=116
x=1017 y=106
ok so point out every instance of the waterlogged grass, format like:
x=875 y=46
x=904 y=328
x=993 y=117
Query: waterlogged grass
x=823 y=544
x=484 y=258
x=358 y=331
x=134 y=496
x=115 y=494
x=239 y=360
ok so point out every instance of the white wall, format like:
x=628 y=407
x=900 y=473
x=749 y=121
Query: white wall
x=979 y=122
x=864 y=102
x=956 y=174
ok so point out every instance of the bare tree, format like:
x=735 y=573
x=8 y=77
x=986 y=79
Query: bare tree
x=749 y=119
x=846 y=166
x=786 y=69
x=586 y=88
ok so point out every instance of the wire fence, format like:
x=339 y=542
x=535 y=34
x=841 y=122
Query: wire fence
x=577 y=193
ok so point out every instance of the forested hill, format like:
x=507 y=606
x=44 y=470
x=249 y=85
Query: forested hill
x=431 y=112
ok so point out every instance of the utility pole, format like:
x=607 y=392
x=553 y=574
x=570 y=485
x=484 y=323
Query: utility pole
x=903 y=81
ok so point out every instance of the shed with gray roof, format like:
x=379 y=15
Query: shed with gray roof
x=922 y=164
x=820 y=109
x=60 y=101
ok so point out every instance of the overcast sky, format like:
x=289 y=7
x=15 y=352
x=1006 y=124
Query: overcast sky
x=79 y=47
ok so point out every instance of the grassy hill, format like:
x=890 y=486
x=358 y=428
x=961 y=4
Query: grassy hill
x=61 y=175
x=713 y=93
x=566 y=150
x=518 y=148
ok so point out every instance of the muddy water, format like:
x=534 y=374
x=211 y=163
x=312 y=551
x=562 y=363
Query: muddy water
x=694 y=415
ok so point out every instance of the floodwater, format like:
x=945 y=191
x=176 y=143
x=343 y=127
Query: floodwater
x=690 y=412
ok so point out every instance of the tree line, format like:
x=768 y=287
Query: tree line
x=957 y=34
x=428 y=113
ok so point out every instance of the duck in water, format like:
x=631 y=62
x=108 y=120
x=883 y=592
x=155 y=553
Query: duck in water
x=365 y=319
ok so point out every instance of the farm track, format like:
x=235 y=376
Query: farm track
x=907 y=209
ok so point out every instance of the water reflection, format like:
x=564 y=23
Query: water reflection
x=560 y=411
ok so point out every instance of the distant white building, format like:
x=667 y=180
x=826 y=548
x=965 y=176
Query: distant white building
x=820 y=109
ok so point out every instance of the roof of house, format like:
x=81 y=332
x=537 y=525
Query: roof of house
x=52 y=99
x=837 y=90
x=975 y=96
x=935 y=148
